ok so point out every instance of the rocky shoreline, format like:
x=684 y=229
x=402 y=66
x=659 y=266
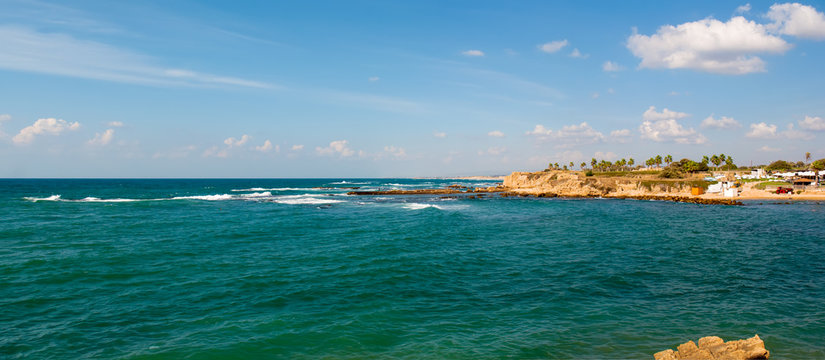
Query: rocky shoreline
x=505 y=192
x=714 y=348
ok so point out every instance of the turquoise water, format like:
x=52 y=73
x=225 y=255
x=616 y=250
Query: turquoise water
x=221 y=269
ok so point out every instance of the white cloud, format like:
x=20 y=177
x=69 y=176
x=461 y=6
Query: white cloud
x=664 y=127
x=495 y=151
x=708 y=45
x=340 y=147
x=762 y=131
x=769 y=131
x=50 y=126
x=297 y=147
x=568 y=135
x=60 y=54
x=651 y=115
x=792 y=133
x=595 y=95
x=610 y=66
x=266 y=147
x=232 y=142
x=743 y=9
x=397 y=152
x=578 y=54
x=599 y=155
x=472 y=53
x=439 y=134
x=767 y=148
x=115 y=124
x=723 y=122
x=621 y=135
x=216 y=152
x=553 y=46
x=102 y=139
x=812 y=123
x=495 y=133
x=797 y=20
x=539 y=130
x=374 y=78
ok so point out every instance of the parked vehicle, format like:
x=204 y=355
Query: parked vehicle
x=784 y=190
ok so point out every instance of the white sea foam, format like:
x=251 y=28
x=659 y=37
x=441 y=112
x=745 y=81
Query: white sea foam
x=218 y=197
x=276 y=189
x=86 y=199
x=418 y=206
x=94 y=199
x=306 y=199
x=50 y=198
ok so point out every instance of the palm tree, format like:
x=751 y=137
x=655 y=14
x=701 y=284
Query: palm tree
x=807 y=157
x=593 y=163
x=729 y=162
x=571 y=165
x=668 y=159
x=715 y=160
x=705 y=159
x=583 y=164
x=659 y=160
x=630 y=162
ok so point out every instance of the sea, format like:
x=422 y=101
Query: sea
x=298 y=269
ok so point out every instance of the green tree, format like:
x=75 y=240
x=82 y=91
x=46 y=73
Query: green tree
x=705 y=159
x=668 y=159
x=630 y=162
x=807 y=157
x=716 y=160
x=593 y=163
x=818 y=166
x=659 y=160
x=583 y=164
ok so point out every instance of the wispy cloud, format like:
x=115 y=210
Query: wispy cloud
x=473 y=53
x=365 y=100
x=102 y=139
x=29 y=50
x=553 y=46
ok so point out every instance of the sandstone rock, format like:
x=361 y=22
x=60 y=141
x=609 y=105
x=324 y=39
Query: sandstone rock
x=668 y=354
x=714 y=348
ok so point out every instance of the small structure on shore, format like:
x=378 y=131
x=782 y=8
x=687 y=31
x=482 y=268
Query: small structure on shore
x=714 y=348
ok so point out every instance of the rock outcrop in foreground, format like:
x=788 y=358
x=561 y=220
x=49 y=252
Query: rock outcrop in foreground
x=714 y=348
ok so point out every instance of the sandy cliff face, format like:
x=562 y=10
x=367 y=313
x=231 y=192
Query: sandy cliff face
x=575 y=184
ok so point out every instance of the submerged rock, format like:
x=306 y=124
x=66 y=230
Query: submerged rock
x=714 y=348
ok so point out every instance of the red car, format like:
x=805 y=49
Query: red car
x=784 y=190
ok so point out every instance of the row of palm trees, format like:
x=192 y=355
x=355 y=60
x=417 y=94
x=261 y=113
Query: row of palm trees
x=654 y=161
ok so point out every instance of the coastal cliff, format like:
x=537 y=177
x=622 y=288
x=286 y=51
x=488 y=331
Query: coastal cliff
x=576 y=184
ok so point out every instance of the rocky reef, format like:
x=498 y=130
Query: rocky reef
x=714 y=348
x=576 y=184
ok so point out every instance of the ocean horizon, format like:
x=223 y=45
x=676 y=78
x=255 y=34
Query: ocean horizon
x=297 y=269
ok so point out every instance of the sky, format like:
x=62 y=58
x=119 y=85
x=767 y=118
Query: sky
x=402 y=88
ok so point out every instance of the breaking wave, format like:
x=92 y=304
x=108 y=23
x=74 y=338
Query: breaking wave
x=419 y=206
x=305 y=200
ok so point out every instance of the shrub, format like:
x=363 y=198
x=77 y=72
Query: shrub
x=671 y=173
x=589 y=173
x=779 y=165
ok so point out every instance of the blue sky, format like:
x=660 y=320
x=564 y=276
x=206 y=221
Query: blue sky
x=391 y=88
